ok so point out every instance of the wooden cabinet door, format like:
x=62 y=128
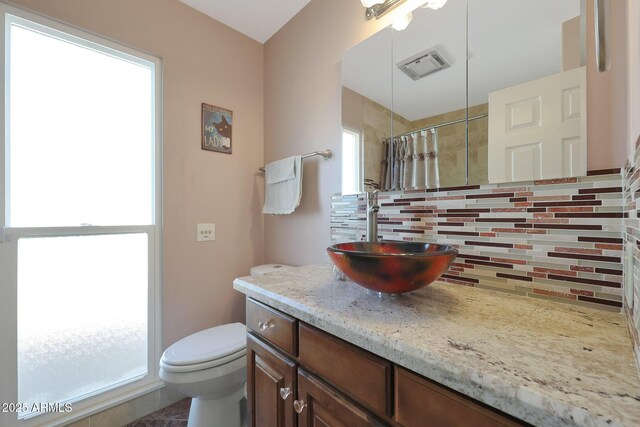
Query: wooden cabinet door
x=269 y=375
x=422 y=403
x=321 y=406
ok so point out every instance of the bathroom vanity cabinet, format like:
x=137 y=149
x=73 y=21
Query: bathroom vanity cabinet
x=298 y=375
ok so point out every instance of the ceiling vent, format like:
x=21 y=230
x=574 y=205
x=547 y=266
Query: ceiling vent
x=423 y=64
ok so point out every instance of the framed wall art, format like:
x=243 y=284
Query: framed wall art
x=216 y=128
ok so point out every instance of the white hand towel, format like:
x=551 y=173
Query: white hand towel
x=281 y=170
x=283 y=186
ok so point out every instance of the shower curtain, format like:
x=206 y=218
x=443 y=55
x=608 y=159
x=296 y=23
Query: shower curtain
x=410 y=161
x=431 y=158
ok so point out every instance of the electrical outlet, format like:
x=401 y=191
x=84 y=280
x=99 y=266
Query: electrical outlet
x=205 y=232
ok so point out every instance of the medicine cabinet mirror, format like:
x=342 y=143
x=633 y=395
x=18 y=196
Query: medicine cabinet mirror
x=482 y=91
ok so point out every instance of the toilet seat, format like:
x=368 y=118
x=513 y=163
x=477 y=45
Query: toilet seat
x=206 y=349
x=204 y=365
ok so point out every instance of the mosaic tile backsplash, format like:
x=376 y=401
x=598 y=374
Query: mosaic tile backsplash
x=556 y=239
x=632 y=245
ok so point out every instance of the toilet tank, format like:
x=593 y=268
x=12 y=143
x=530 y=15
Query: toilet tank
x=268 y=268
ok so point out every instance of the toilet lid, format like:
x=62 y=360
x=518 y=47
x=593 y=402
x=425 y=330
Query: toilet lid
x=207 y=345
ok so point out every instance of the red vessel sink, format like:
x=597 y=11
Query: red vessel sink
x=392 y=267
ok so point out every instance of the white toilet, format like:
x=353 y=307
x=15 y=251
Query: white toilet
x=210 y=366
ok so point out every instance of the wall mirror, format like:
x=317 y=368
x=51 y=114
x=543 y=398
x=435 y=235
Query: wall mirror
x=527 y=88
x=367 y=99
x=408 y=95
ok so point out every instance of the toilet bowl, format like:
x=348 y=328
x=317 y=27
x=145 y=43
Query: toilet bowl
x=210 y=366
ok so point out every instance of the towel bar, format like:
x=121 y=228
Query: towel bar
x=327 y=154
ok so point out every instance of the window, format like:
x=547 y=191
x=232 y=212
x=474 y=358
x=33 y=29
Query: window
x=351 y=162
x=80 y=216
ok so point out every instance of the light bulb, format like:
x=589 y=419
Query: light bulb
x=435 y=4
x=402 y=21
x=369 y=3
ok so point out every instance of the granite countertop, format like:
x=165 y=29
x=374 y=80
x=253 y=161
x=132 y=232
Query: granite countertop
x=547 y=363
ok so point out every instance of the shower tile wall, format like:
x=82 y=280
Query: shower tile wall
x=376 y=127
x=554 y=239
x=452 y=146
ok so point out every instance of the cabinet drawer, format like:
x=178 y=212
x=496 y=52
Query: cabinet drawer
x=420 y=402
x=275 y=327
x=364 y=377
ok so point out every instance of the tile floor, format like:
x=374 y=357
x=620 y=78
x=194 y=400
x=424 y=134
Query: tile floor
x=175 y=415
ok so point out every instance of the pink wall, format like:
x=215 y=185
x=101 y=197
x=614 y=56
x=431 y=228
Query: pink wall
x=633 y=75
x=203 y=61
x=607 y=94
x=619 y=82
x=302 y=114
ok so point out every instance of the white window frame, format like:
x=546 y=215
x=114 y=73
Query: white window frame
x=9 y=241
x=360 y=159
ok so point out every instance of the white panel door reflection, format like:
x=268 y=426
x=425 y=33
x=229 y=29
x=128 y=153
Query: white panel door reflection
x=538 y=129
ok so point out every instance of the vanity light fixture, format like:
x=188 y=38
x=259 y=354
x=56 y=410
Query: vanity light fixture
x=435 y=4
x=402 y=8
x=402 y=21
x=369 y=3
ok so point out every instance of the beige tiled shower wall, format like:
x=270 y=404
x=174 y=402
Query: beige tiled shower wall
x=376 y=128
x=452 y=147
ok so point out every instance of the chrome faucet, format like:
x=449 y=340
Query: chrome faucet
x=372 y=216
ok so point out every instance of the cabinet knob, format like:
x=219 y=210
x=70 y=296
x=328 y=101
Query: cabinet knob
x=285 y=392
x=263 y=326
x=299 y=406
